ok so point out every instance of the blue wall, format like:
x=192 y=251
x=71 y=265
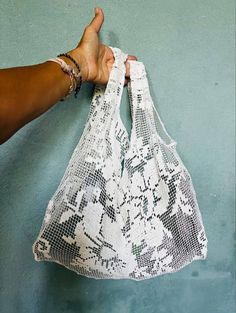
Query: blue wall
x=187 y=47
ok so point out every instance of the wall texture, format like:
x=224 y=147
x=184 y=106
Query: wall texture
x=187 y=47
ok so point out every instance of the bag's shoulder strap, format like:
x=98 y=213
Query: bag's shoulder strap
x=114 y=90
x=107 y=97
x=145 y=117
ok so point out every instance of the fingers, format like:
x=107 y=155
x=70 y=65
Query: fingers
x=98 y=19
x=127 y=66
x=132 y=57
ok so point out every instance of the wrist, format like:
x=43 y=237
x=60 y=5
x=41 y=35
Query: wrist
x=77 y=54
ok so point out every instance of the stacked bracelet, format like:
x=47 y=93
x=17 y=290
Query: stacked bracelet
x=68 y=70
x=75 y=77
x=78 y=67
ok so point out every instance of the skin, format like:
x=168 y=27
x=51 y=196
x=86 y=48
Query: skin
x=26 y=92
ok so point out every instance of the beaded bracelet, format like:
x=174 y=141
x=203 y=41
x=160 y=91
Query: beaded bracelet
x=68 y=70
x=78 y=67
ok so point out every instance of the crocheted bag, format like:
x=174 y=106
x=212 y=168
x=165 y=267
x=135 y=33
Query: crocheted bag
x=124 y=208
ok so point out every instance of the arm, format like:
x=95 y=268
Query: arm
x=28 y=91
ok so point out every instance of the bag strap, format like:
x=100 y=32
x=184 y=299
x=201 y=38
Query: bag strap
x=106 y=98
x=145 y=118
x=113 y=94
x=115 y=85
x=110 y=95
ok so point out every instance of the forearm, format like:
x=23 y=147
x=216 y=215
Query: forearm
x=28 y=91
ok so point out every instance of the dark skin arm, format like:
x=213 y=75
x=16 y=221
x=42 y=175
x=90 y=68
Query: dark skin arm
x=26 y=92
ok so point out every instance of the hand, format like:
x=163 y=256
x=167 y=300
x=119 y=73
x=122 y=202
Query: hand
x=95 y=58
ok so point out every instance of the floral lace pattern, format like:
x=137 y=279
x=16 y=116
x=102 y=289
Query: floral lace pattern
x=125 y=208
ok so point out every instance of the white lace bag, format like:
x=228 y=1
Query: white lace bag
x=125 y=208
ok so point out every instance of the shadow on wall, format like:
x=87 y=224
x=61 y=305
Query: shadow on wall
x=113 y=40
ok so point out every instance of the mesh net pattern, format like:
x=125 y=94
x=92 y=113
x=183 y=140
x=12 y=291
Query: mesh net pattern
x=125 y=208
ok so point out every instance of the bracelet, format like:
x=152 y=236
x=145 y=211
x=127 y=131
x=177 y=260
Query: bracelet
x=68 y=70
x=77 y=89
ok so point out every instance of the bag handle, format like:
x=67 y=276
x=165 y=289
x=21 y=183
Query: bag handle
x=112 y=92
x=143 y=107
x=112 y=96
x=115 y=84
x=106 y=98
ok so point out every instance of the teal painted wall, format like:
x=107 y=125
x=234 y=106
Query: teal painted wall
x=187 y=47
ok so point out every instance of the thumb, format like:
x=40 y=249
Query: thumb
x=98 y=19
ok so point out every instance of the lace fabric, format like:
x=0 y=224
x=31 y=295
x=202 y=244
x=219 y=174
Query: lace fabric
x=125 y=208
